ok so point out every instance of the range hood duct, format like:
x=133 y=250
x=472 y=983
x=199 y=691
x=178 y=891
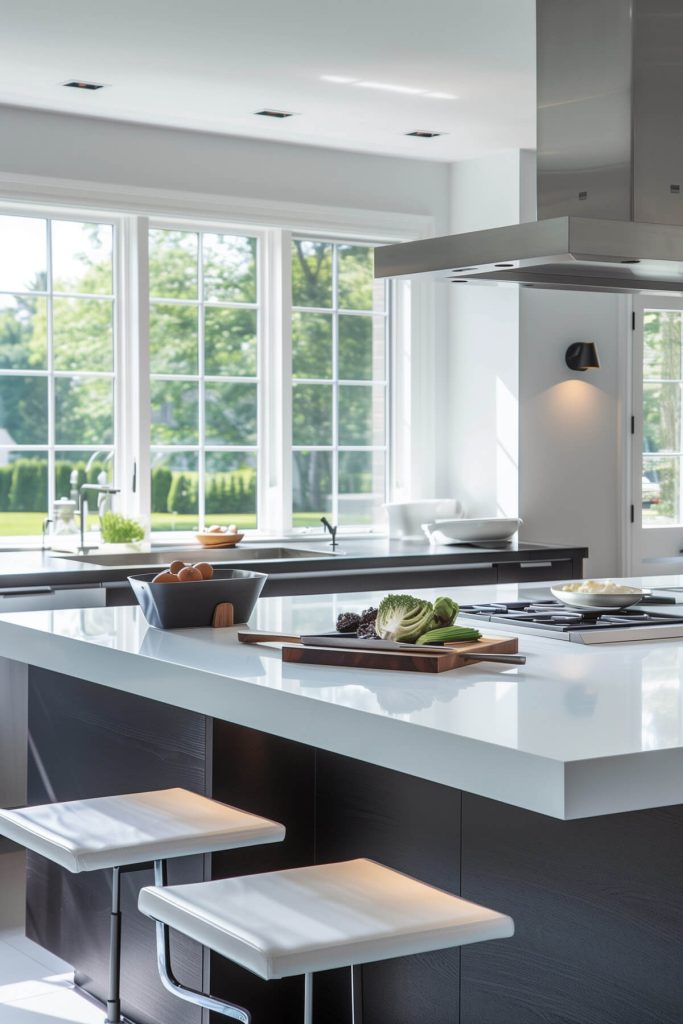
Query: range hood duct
x=609 y=167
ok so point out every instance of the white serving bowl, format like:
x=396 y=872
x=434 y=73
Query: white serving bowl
x=597 y=602
x=466 y=531
x=406 y=517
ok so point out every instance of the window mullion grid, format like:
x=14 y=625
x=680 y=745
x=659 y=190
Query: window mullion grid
x=201 y=362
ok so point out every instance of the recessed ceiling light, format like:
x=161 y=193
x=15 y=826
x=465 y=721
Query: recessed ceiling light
x=407 y=89
x=339 y=79
x=419 y=134
x=274 y=113
x=76 y=84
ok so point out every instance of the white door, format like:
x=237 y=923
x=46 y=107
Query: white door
x=657 y=437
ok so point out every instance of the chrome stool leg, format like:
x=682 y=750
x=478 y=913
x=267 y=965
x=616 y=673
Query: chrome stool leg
x=356 y=995
x=170 y=982
x=113 y=992
x=308 y=999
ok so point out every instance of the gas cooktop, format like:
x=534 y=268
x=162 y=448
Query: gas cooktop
x=552 y=619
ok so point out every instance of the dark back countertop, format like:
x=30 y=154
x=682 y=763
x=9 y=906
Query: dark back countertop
x=34 y=568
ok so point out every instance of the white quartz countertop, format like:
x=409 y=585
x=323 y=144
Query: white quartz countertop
x=578 y=731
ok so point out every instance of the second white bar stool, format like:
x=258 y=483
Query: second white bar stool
x=310 y=919
x=122 y=831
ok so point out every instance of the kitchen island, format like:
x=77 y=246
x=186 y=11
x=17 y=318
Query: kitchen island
x=552 y=792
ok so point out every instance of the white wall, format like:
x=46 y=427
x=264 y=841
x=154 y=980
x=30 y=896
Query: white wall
x=484 y=338
x=113 y=152
x=570 y=424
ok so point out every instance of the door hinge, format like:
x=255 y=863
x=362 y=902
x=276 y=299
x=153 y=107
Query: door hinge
x=633 y=424
x=633 y=321
x=633 y=513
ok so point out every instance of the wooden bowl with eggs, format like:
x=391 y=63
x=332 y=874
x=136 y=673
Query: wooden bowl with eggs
x=184 y=596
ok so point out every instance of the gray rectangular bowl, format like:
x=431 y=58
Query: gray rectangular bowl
x=182 y=605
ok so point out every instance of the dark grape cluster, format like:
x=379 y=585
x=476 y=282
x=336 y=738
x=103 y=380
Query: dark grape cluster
x=348 y=622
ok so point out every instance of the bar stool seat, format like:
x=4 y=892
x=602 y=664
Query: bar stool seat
x=116 y=831
x=317 y=918
x=125 y=833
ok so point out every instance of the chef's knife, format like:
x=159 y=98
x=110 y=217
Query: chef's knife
x=324 y=640
x=353 y=643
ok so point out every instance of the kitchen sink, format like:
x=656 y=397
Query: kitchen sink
x=162 y=556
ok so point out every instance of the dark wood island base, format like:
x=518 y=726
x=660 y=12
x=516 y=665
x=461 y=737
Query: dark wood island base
x=597 y=902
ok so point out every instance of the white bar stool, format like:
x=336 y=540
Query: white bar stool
x=314 y=919
x=125 y=831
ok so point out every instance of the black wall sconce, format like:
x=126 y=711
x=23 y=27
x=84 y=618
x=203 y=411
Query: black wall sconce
x=582 y=355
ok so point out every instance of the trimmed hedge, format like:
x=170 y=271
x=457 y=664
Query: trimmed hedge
x=23 y=487
x=226 y=493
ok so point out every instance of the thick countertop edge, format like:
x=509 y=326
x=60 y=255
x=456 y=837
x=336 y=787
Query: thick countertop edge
x=622 y=783
x=558 y=789
x=458 y=762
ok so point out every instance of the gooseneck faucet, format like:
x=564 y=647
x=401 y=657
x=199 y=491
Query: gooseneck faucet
x=332 y=530
x=83 y=508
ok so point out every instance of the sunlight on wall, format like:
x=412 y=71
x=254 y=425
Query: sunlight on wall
x=507 y=450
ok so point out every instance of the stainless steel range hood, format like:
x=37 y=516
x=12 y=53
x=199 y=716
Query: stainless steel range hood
x=610 y=162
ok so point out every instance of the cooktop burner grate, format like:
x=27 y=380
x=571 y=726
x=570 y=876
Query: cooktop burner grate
x=554 y=617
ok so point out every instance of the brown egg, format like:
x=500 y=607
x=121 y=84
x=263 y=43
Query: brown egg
x=190 y=575
x=176 y=567
x=205 y=569
x=165 y=577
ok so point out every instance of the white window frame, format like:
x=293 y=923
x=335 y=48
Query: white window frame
x=661 y=554
x=200 y=448
x=51 y=447
x=335 y=311
x=132 y=210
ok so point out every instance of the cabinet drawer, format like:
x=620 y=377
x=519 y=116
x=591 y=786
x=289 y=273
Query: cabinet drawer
x=528 y=572
x=395 y=578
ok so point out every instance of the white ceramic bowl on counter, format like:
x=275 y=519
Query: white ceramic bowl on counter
x=469 y=531
x=406 y=517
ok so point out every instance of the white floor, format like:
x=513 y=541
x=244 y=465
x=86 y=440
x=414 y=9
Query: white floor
x=35 y=987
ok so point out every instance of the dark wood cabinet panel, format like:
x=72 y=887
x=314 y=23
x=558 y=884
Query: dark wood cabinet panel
x=410 y=825
x=274 y=777
x=598 y=909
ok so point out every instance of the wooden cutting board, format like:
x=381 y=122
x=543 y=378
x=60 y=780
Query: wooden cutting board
x=398 y=661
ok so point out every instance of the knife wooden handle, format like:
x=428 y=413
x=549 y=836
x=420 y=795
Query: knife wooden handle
x=505 y=659
x=257 y=636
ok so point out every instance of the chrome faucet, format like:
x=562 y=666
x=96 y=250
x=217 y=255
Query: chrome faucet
x=83 y=509
x=332 y=530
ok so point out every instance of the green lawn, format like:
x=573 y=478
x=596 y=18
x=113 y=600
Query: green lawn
x=18 y=524
x=30 y=524
x=27 y=524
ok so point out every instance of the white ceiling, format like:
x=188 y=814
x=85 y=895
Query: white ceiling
x=209 y=64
